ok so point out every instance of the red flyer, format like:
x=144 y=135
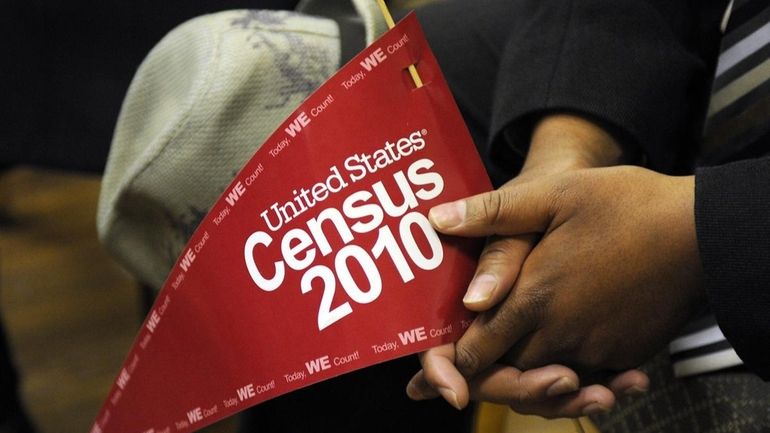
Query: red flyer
x=318 y=259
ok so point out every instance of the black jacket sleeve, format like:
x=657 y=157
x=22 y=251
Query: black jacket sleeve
x=640 y=68
x=732 y=217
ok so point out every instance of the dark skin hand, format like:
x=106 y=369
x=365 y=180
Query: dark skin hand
x=562 y=147
x=614 y=276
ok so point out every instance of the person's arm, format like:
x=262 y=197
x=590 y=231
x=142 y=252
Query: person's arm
x=639 y=69
x=547 y=71
x=732 y=215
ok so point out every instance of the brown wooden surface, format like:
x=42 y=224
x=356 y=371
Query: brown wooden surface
x=70 y=312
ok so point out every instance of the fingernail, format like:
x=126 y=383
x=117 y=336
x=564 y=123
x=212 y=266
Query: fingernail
x=480 y=289
x=450 y=397
x=635 y=390
x=595 y=409
x=447 y=215
x=413 y=392
x=561 y=386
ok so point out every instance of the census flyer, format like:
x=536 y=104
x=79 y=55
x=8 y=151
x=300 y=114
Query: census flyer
x=318 y=259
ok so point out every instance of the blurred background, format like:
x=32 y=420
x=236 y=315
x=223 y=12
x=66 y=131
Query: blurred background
x=70 y=312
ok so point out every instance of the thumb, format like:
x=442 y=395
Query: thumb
x=524 y=208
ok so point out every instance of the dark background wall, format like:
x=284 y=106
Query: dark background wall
x=65 y=67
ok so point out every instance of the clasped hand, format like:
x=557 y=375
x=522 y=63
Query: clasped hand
x=587 y=274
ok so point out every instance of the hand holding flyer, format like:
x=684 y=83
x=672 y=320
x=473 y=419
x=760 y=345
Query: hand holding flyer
x=318 y=259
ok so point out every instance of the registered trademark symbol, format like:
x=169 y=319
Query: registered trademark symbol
x=424 y=132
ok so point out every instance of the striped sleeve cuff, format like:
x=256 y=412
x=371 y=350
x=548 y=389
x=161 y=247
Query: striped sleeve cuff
x=702 y=348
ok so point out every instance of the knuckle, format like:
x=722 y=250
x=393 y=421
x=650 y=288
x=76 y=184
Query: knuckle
x=522 y=392
x=559 y=194
x=533 y=303
x=491 y=207
x=504 y=320
x=523 y=311
x=493 y=252
x=497 y=252
x=467 y=360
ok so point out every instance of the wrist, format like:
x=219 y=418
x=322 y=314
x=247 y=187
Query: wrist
x=681 y=208
x=567 y=142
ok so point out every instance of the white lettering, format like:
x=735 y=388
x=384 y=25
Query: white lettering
x=297 y=124
x=246 y=392
x=268 y=285
x=195 y=415
x=319 y=364
x=412 y=335
x=235 y=193
x=187 y=260
x=374 y=59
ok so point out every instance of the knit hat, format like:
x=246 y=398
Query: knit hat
x=199 y=106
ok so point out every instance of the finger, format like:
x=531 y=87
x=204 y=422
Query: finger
x=590 y=400
x=520 y=209
x=631 y=382
x=492 y=334
x=497 y=270
x=419 y=389
x=505 y=384
x=440 y=374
